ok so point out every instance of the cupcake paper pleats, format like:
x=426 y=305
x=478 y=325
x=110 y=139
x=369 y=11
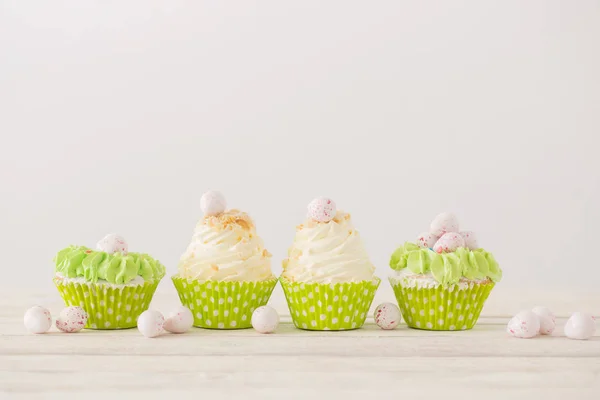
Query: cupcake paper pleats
x=335 y=307
x=439 y=308
x=107 y=306
x=223 y=305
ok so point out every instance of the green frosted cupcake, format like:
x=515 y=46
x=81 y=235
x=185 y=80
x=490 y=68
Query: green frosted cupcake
x=328 y=278
x=225 y=273
x=442 y=281
x=112 y=285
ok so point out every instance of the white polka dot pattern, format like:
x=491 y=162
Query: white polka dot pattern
x=441 y=308
x=329 y=307
x=223 y=305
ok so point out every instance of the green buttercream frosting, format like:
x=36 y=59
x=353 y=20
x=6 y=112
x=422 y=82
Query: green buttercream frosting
x=447 y=268
x=80 y=261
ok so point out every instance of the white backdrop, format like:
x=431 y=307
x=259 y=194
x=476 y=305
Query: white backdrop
x=116 y=116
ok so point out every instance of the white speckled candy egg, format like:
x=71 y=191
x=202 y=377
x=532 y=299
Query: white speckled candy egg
x=113 y=243
x=213 y=203
x=444 y=223
x=180 y=320
x=580 y=326
x=387 y=316
x=470 y=240
x=449 y=242
x=37 y=320
x=426 y=240
x=322 y=209
x=71 y=319
x=547 y=320
x=524 y=325
x=265 y=319
x=150 y=323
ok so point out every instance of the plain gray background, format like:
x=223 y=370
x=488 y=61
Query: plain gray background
x=116 y=116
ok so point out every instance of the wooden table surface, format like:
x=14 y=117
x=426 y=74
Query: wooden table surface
x=362 y=364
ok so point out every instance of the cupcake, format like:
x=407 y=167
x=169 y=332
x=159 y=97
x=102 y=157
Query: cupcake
x=328 y=278
x=225 y=273
x=443 y=279
x=112 y=285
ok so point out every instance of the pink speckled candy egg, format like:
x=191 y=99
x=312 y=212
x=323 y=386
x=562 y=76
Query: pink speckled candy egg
x=470 y=240
x=580 y=326
x=449 y=242
x=150 y=323
x=387 y=316
x=547 y=320
x=265 y=319
x=444 y=223
x=213 y=203
x=180 y=320
x=37 y=320
x=426 y=240
x=322 y=209
x=71 y=319
x=524 y=325
x=113 y=243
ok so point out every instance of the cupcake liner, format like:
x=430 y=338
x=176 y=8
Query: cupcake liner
x=439 y=308
x=108 y=307
x=324 y=307
x=223 y=305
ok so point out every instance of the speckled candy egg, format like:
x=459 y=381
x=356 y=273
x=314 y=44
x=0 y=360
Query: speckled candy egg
x=387 y=316
x=213 y=203
x=71 y=319
x=37 y=320
x=150 y=323
x=322 y=209
x=470 y=240
x=449 y=242
x=113 y=243
x=580 y=326
x=524 y=325
x=265 y=319
x=426 y=240
x=179 y=321
x=547 y=320
x=444 y=223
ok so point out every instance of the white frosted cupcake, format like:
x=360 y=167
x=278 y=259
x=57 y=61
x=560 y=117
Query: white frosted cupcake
x=225 y=273
x=328 y=278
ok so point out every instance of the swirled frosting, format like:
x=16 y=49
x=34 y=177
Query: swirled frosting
x=225 y=247
x=92 y=265
x=446 y=268
x=328 y=252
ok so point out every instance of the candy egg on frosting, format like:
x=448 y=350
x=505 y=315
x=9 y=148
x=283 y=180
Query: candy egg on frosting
x=150 y=323
x=426 y=240
x=580 y=326
x=322 y=209
x=547 y=320
x=524 y=325
x=470 y=240
x=449 y=242
x=265 y=319
x=71 y=319
x=37 y=320
x=113 y=243
x=213 y=203
x=387 y=316
x=444 y=223
x=180 y=320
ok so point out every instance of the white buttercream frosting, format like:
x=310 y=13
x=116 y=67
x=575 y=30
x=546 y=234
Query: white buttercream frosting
x=328 y=252
x=226 y=247
x=137 y=281
x=407 y=278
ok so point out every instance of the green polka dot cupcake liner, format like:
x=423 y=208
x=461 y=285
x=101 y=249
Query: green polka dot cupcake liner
x=108 y=307
x=223 y=305
x=329 y=307
x=456 y=307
